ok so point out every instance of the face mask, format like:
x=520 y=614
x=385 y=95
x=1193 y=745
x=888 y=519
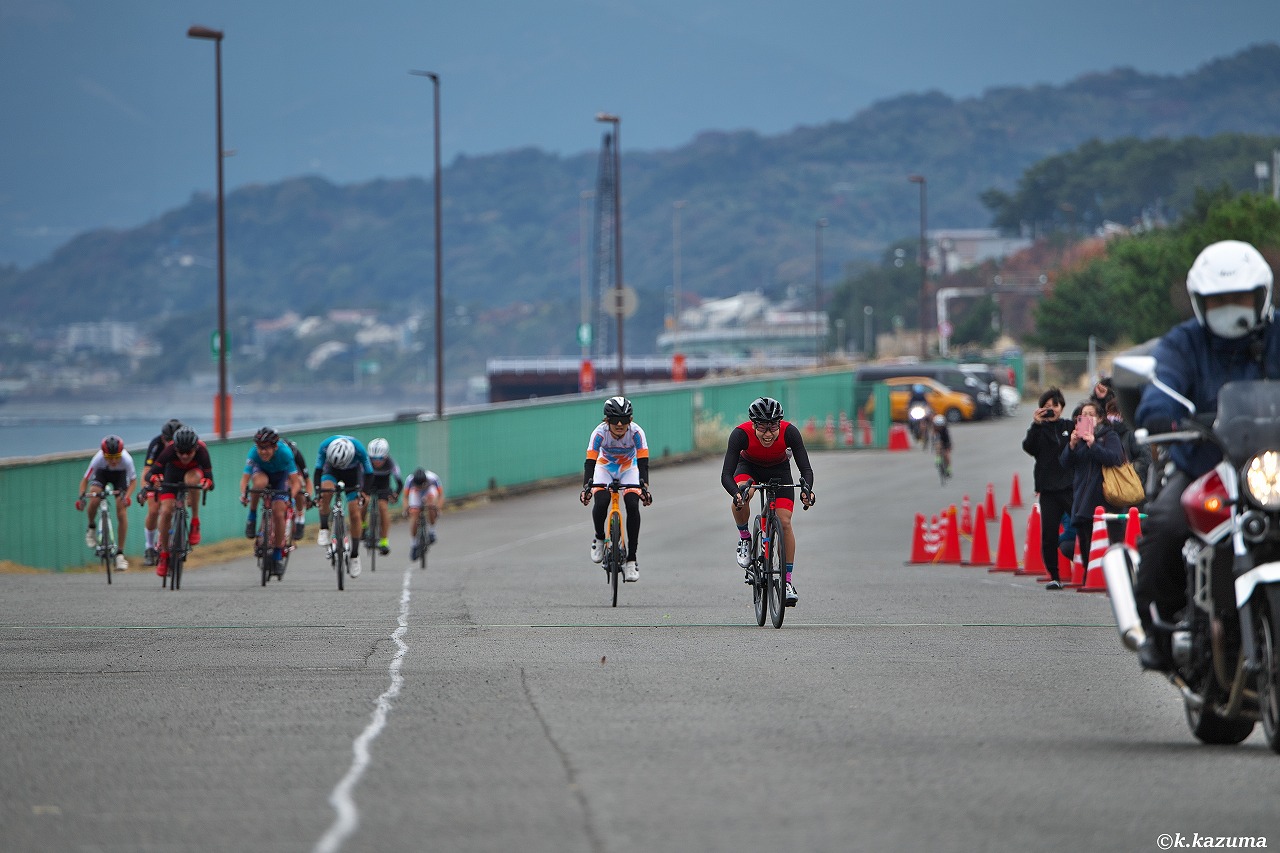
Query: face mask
x=1230 y=321
x=1115 y=419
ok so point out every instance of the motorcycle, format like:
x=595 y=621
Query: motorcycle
x=918 y=415
x=1226 y=659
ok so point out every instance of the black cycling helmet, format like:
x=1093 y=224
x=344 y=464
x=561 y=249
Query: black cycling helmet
x=765 y=409
x=112 y=445
x=185 y=439
x=266 y=437
x=617 y=408
x=170 y=427
x=419 y=477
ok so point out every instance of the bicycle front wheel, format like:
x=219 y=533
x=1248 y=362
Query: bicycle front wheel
x=759 y=588
x=776 y=576
x=615 y=554
x=372 y=534
x=264 y=548
x=340 y=553
x=177 y=551
x=106 y=542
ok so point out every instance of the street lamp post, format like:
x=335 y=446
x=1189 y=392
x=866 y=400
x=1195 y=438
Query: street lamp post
x=676 y=207
x=818 y=343
x=616 y=121
x=222 y=406
x=435 y=101
x=924 y=260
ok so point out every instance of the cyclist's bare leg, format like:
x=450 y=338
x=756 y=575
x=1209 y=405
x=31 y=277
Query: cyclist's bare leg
x=414 y=513
x=356 y=517
x=162 y=525
x=122 y=523
x=326 y=495
x=193 y=478
x=784 y=521
x=152 y=519
x=384 y=516
x=277 y=523
x=95 y=498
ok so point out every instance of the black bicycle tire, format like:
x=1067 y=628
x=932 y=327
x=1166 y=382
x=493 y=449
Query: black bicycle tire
x=340 y=553
x=777 y=575
x=615 y=553
x=177 y=547
x=105 y=543
x=264 y=548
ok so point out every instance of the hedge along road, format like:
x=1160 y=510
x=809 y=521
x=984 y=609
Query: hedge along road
x=495 y=702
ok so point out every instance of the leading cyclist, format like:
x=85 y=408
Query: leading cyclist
x=342 y=458
x=760 y=450
x=185 y=460
x=618 y=449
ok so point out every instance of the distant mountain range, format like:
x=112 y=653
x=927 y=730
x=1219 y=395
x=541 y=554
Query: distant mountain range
x=511 y=221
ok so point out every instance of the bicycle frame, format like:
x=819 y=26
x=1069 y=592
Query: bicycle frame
x=263 y=545
x=107 y=546
x=768 y=552
x=179 y=535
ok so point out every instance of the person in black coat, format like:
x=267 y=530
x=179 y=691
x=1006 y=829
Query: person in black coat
x=1093 y=445
x=1046 y=437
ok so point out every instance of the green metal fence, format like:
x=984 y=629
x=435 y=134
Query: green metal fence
x=474 y=452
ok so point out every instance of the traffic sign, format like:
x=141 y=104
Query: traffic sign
x=584 y=334
x=621 y=301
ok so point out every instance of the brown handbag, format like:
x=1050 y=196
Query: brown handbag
x=1121 y=487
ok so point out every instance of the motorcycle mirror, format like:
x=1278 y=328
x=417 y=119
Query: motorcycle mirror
x=1132 y=371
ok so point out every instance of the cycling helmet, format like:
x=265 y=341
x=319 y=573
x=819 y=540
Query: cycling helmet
x=170 y=427
x=939 y=420
x=616 y=408
x=918 y=389
x=419 y=477
x=185 y=439
x=341 y=453
x=112 y=445
x=765 y=409
x=1230 y=266
x=378 y=448
x=266 y=437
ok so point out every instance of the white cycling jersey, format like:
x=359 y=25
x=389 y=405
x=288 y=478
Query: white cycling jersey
x=617 y=457
x=124 y=463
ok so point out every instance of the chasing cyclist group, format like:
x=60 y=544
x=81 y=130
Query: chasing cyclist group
x=178 y=467
x=275 y=479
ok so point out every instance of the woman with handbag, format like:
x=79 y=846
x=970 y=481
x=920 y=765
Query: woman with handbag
x=1093 y=445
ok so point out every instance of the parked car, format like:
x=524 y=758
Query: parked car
x=955 y=405
x=948 y=374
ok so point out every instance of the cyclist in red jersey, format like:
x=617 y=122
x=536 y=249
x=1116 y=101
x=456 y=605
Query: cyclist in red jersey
x=185 y=460
x=761 y=450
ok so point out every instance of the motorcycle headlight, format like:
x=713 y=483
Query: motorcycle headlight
x=1262 y=479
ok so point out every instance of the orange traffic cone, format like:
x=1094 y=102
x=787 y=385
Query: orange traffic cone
x=966 y=518
x=1132 y=528
x=950 y=552
x=1007 y=552
x=1094 y=580
x=899 y=438
x=991 y=501
x=829 y=430
x=1015 y=493
x=1032 y=559
x=980 y=553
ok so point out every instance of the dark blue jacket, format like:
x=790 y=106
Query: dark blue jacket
x=1086 y=465
x=1196 y=363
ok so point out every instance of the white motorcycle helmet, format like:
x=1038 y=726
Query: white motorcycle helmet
x=1230 y=266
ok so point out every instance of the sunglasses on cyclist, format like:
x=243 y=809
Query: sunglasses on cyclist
x=619 y=421
x=767 y=426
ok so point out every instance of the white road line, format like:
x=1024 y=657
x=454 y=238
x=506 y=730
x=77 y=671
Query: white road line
x=348 y=818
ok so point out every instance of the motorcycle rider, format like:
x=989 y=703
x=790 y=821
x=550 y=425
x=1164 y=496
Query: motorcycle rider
x=918 y=402
x=1232 y=337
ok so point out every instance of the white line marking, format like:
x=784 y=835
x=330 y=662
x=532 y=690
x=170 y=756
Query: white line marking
x=348 y=818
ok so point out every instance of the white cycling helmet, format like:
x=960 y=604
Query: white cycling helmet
x=939 y=420
x=1230 y=266
x=378 y=448
x=341 y=453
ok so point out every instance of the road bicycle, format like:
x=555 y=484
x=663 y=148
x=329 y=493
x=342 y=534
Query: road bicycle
x=262 y=548
x=422 y=538
x=768 y=568
x=615 y=543
x=944 y=471
x=179 y=531
x=373 y=525
x=339 y=549
x=104 y=525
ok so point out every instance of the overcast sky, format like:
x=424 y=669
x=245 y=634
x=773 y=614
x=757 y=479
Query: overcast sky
x=108 y=108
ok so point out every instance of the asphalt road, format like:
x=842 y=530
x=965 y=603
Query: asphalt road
x=495 y=702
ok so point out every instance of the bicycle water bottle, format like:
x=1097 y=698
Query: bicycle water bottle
x=764 y=542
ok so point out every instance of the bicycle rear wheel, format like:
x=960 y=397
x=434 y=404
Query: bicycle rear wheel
x=263 y=547
x=776 y=576
x=424 y=542
x=615 y=555
x=759 y=590
x=372 y=534
x=340 y=554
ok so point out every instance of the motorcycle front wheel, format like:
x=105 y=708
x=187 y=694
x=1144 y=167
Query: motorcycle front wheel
x=1205 y=722
x=1265 y=622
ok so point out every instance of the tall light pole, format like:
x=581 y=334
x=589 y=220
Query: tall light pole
x=584 y=318
x=817 y=291
x=222 y=406
x=924 y=260
x=616 y=121
x=435 y=100
x=676 y=207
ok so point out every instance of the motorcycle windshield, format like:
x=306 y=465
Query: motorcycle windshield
x=1248 y=418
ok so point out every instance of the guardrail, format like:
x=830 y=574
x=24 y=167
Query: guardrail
x=475 y=451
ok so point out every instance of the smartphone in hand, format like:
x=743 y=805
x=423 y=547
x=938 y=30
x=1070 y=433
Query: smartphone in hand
x=1084 y=426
